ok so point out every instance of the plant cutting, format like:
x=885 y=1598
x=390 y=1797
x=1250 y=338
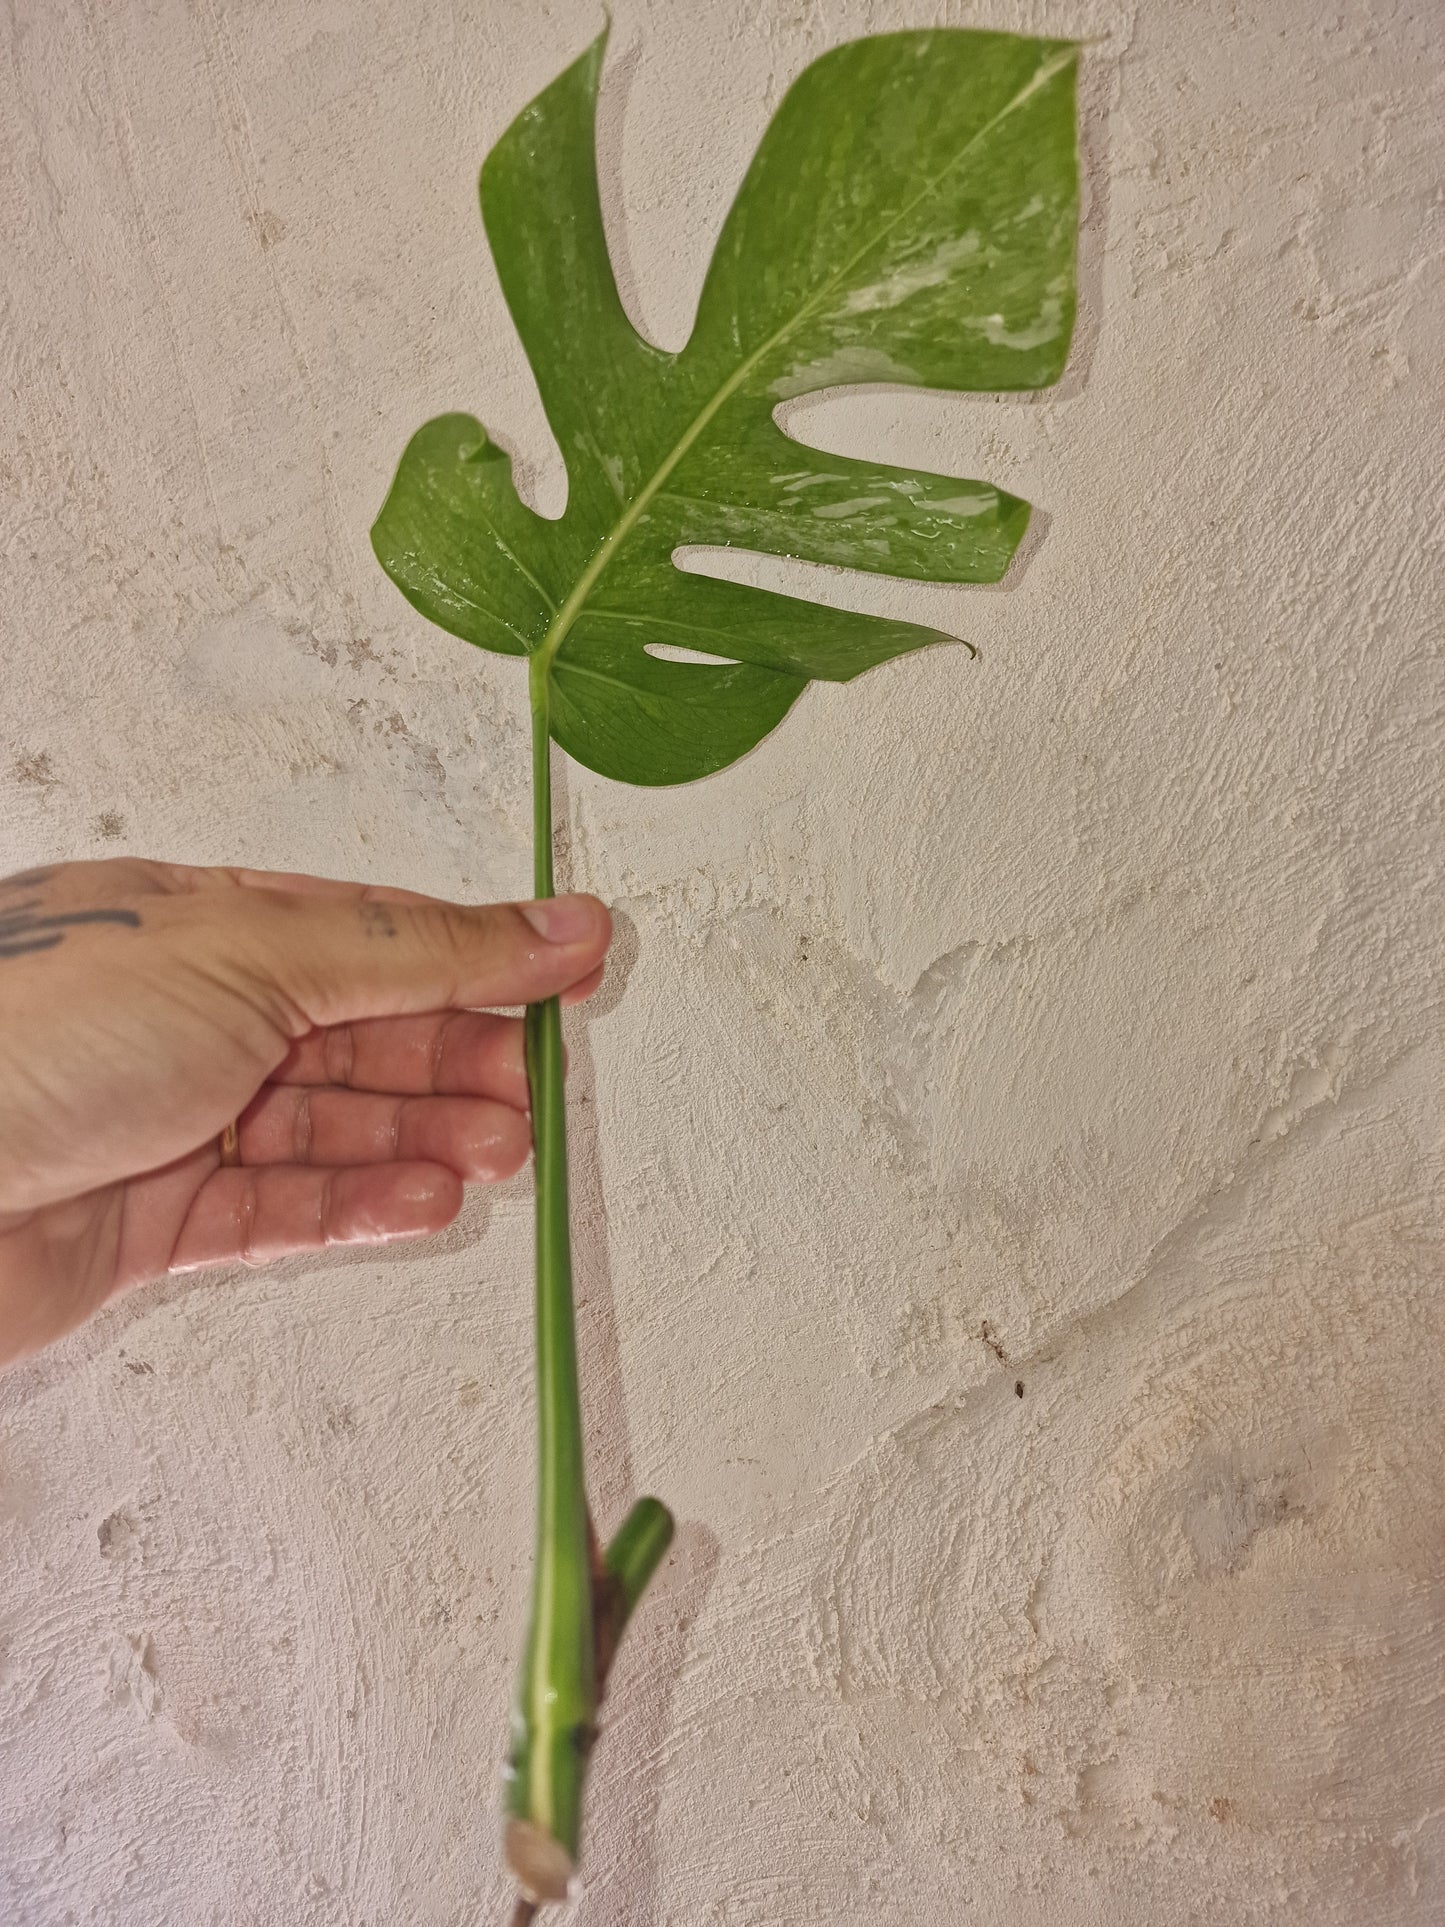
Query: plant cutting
x=909 y=218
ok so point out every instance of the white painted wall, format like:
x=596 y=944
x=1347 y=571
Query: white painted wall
x=1063 y=1020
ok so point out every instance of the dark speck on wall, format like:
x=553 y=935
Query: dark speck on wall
x=34 y=769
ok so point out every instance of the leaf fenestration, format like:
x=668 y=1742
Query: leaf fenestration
x=909 y=218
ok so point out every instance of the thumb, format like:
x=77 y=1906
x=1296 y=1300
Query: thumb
x=334 y=960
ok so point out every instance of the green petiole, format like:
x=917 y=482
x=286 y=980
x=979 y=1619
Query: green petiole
x=579 y=1604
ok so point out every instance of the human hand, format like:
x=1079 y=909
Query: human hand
x=144 y=1006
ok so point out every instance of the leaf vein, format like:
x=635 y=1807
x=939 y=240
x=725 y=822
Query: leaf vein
x=626 y=522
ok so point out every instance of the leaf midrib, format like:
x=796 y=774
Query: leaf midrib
x=572 y=605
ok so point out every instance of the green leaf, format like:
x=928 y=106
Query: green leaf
x=909 y=218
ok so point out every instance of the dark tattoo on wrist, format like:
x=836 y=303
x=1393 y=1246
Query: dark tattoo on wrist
x=22 y=929
x=377 y=920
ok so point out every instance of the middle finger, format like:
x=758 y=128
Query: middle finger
x=446 y=1053
x=478 y=1138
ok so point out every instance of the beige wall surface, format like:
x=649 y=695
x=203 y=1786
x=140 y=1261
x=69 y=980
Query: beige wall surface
x=1008 y=1161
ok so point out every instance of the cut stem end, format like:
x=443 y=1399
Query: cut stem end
x=541 y=1866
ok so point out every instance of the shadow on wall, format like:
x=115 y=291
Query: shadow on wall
x=626 y=1791
x=627 y=1772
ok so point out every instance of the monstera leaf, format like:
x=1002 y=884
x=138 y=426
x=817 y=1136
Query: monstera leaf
x=909 y=218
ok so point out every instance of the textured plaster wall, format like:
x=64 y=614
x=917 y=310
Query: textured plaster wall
x=1009 y=1151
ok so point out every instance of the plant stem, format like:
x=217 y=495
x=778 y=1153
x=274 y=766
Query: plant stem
x=556 y=1699
x=581 y=1599
x=620 y=1581
x=634 y=1556
x=539 y=697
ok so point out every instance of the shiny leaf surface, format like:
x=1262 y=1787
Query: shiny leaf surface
x=909 y=218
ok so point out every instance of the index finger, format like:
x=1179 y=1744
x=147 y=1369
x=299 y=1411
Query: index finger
x=329 y=959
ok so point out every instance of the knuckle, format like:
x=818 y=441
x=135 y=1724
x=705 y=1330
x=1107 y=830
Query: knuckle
x=459 y=930
x=448 y=1050
x=466 y=937
x=338 y=1055
x=303 y=1129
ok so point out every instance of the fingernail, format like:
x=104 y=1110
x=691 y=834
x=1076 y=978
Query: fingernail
x=562 y=919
